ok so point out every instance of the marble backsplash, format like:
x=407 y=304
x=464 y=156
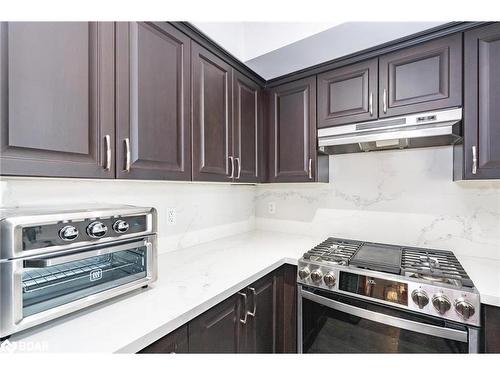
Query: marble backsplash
x=204 y=211
x=404 y=197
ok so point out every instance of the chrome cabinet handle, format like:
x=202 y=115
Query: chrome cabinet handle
x=239 y=168
x=310 y=168
x=231 y=159
x=127 y=155
x=371 y=103
x=385 y=100
x=474 y=159
x=254 y=303
x=244 y=320
x=107 y=141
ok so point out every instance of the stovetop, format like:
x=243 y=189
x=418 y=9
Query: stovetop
x=437 y=266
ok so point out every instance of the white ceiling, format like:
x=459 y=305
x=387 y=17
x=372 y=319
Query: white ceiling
x=248 y=40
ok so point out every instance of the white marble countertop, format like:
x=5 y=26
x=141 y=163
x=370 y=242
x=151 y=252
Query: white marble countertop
x=190 y=282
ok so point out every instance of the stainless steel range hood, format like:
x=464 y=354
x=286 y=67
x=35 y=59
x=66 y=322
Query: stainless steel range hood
x=428 y=129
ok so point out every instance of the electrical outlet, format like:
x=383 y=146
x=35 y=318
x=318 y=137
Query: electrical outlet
x=271 y=208
x=171 y=216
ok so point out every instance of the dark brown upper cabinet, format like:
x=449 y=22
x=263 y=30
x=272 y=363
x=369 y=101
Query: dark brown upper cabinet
x=425 y=77
x=292 y=132
x=212 y=116
x=481 y=147
x=57 y=99
x=153 y=102
x=348 y=94
x=247 y=132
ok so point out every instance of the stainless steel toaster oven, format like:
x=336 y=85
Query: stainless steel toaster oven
x=55 y=261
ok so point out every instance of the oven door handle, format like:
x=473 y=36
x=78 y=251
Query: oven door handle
x=446 y=333
x=57 y=260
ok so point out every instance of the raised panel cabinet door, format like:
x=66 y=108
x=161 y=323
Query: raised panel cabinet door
x=292 y=131
x=261 y=322
x=247 y=137
x=212 y=121
x=218 y=330
x=57 y=99
x=349 y=94
x=482 y=103
x=422 y=78
x=153 y=102
x=174 y=342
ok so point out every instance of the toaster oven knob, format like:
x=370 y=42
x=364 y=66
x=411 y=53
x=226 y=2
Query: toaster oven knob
x=464 y=309
x=120 y=226
x=316 y=276
x=68 y=233
x=329 y=279
x=441 y=303
x=304 y=273
x=420 y=298
x=97 y=229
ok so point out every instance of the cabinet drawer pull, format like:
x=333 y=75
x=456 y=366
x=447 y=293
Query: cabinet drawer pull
x=231 y=159
x=371 y=103
x=474 y=159
x=385 y=100
x=107 y=141
x=244 y=320
x=127 y=155
x=239 y=168
x=310 y=168
x=254 y=295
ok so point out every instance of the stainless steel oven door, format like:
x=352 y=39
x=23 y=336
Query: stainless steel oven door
x=37 y=289
x=333 y=323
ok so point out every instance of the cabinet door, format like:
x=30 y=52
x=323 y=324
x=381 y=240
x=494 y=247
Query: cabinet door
x=421 y=78
x=153 y=107
x=491 y=327
x=247 y=138
x=482 y=102
x=260 y=328
x=212 y=142
x=293 y=131
x=57 y=99
x=348 y=94
x=218 y=330
x=175 y=342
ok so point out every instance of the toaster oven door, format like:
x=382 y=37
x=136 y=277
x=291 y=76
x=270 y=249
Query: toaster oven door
x=52 y=285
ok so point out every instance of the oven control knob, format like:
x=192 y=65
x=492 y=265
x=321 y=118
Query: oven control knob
x=97 y=229
x=329 y=279
x=120 y=226
x=68 y=233
x=464 y=308
x=441 y=303
x=316 y=276
x=420 y=298
x=304 y=273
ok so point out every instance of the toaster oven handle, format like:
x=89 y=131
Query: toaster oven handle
x=447 y=333
x=57 y=260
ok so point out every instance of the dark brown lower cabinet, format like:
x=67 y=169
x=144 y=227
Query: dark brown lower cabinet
x=175 y=342
x=261 y=318
x=491 y=327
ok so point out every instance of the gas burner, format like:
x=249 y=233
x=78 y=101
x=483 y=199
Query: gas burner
x=434 y=278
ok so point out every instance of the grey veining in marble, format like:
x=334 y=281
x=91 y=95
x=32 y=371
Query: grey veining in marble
x=406 y=197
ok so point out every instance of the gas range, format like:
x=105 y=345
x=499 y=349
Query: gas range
x=425 y=281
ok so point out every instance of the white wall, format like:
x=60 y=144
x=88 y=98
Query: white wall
x=204 y=211
x=331 y=44
x=247 y=40
x=403 y=197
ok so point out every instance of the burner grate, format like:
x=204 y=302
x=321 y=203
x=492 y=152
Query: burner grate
x=436 y=264
x=333 y=250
